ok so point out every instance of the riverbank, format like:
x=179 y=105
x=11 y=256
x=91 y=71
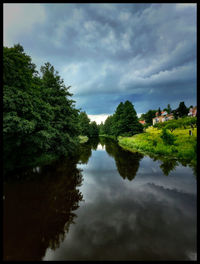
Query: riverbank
x=108 y=136
x=150 y=142
x=83 y=139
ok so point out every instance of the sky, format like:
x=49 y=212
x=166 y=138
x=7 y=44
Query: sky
x=110 y=53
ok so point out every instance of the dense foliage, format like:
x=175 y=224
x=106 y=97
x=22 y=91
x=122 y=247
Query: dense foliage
x=123 y=122
x=38 y=114
x=148 y=116
x=87 y=128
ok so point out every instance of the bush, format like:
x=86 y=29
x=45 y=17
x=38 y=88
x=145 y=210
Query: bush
x=167 y=137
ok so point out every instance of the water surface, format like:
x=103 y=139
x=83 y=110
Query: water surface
x=112 y=205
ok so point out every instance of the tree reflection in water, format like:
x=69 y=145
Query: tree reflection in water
x=127 y=163
x=39 y=203
x=86 y=150
x=38 y=209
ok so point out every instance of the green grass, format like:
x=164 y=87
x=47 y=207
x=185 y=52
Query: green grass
x=150 y=142
x=83 y=139
x=108 y=136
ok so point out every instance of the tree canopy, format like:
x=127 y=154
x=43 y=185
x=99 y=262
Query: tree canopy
x=123 y=122
x=38 y=114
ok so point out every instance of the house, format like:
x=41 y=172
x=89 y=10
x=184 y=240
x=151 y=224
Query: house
x=163 y=117
x=163 y=113
x=142 y=122
x=193 y=111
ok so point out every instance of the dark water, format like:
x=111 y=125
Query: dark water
x=108 y=204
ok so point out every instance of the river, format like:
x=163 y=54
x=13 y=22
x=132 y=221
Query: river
x=108 y=204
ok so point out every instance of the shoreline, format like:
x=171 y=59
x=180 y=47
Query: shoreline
x=150 y=143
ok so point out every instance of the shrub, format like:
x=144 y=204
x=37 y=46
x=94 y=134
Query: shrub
x=167 y=137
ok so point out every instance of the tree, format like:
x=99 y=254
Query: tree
x=182 y=110
x=148 y=116
x=169 y=110
x=38 y=116
x=94 y=131
x=126 y=120
x=84 y=123
x=172 y=125
x=123 y=122
x=108 y=127
x=159 y=112
x=101 y=128
x=64 y=125
x=167 y=138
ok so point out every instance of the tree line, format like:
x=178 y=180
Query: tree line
x=39 y=115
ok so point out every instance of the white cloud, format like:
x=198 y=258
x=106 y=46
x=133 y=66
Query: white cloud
x=98 y=118
x=20 y=19
x=185 y=5
x=124 y=16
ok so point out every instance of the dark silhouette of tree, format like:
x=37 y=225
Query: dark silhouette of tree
x=182 y=110
x=39 y=209
x=127 y=163
x=168 y=165
x=159 y=111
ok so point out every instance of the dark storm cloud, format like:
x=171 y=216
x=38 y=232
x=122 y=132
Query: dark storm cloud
x=109 y=52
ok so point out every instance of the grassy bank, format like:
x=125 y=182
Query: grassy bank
x=150 y=142
x=83 y=139
x=108 y=136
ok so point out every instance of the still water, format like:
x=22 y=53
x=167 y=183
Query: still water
x=108 y=204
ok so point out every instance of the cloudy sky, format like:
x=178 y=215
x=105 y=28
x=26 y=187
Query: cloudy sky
x=109 y=53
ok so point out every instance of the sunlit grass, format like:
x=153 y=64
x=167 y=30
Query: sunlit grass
x=184 y=146
x=83 y=139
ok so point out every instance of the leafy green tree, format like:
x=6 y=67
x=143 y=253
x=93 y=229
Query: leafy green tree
x=38 y=115
x=94 y=131
x=101 y=128
x=188 y=121
x=172 y=125
x=126 y=120
x=148 y=116
x=159 y=125
x=167 y=137
x=108 y=127
x=64 y=127
x=84 y=123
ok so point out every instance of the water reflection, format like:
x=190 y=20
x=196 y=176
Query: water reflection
x=38 y=210
x=170 y=164
x=127 y=163
x=86 y=149
x=152 y=217
x=148 y=218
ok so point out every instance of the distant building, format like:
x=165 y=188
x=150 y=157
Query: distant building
x=193 y=111
x=142 y=122
x=163 y=117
